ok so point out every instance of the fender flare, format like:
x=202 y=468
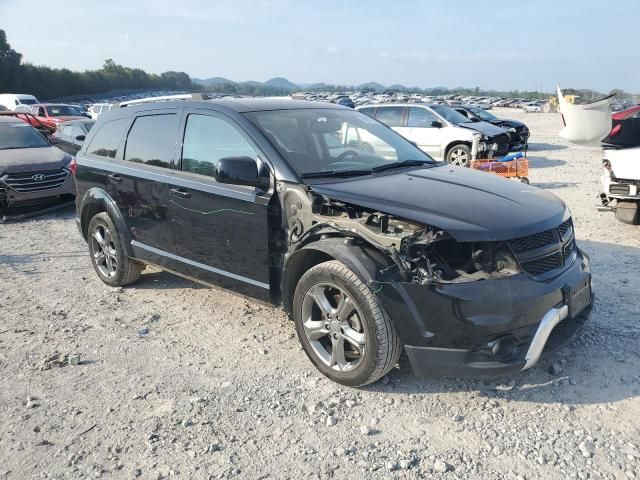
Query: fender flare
x=97 y=200
x=362 y=259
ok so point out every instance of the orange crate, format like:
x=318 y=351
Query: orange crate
x=515 y=168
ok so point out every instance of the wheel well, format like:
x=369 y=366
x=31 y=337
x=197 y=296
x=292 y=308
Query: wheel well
x=87 y=214
x=453 y=144
x=302 y=261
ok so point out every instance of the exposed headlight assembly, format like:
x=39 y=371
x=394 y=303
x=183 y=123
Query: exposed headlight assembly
x=449 y=261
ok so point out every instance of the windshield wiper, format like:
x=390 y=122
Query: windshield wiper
x=405 y=163
x=336 y=173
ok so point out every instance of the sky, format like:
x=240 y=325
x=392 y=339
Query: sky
x=491 y=44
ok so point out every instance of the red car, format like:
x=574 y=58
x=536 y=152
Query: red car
x=53 y=114
x=32 y=120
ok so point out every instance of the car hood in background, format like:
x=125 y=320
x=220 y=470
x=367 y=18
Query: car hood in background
x=32 y=159
x=483 y=127
x=469 y=205
x=506 y=123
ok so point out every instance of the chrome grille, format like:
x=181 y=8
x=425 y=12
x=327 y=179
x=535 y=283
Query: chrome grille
x=546 y=251
x=35 y=181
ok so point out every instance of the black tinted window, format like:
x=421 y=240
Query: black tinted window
x=207 y=140
x=390 y=116
x=152 y=140
x=107 y=139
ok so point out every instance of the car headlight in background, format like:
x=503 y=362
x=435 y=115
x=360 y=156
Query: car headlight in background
x=511 y=130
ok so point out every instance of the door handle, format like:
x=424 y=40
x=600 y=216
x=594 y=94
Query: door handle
x=179 y=192
x=114 y=178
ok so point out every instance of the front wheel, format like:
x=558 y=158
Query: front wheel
x=341 y=326
x=459 y=155
x=108 y=257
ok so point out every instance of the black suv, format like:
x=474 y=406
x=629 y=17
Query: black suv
x=368 y=243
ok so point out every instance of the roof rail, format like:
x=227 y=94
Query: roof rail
x=166 y=98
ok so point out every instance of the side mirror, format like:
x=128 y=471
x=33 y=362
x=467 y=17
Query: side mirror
x=475 y=120
x=437 y=124
x=239 y=171
x=80 y=138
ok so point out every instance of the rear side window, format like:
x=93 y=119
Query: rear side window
x=368 y=111
x=105 y=142
x=152 y=140
x=208 y=139
x=390 y=116
x=419 y=117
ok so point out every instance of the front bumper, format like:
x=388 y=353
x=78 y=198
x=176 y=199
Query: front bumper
x=492 y=327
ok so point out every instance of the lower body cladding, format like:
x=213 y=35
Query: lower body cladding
x=487 y=328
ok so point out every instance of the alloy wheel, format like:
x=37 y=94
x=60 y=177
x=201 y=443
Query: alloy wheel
x=459 y=157
x=333 y=326
x=104 y=251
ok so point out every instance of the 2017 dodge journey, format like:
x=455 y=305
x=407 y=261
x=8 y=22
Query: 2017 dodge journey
x=369 y=244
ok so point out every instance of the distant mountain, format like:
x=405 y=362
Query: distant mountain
x=212 y=81
x=396 y=86
x=371 y=85
x=280 y=82
x=315 y=85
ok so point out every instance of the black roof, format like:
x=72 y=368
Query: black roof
x=239 y=105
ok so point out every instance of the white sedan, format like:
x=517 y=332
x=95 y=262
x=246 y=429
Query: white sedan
x=532 y=107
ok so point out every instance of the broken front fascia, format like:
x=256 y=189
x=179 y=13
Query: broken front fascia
x=422 y=254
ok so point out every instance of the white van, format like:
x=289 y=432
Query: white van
x=441 y=132
x=98 y=108
x=13 y=100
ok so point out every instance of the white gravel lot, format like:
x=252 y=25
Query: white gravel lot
x=220 y=388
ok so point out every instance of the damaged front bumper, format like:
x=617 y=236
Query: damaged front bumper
x=491 y=327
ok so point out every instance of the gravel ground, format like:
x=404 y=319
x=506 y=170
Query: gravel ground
x=169 y=379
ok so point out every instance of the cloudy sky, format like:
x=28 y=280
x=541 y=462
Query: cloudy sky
x=503 y=44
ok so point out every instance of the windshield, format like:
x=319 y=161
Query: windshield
x=62 y=110
x=317 y=142
x=20 y=135
x=482 y=114
x=449 y=114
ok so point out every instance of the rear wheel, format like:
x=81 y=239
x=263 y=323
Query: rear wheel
x=341 y=326
x=459 y=155
x=108 y=257
x=628 y=212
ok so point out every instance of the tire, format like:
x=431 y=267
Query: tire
x=114 y=268
x=364 y=324
x=524 y=180
x=460 y=155
x=628 y=212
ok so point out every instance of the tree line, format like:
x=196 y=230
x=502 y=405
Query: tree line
x=47 y=83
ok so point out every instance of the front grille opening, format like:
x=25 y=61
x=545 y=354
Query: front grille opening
x=532 y=242
x=544 y=264
x=547 y=251
x=619 y=189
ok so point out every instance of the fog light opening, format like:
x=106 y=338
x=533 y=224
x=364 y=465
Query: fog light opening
x=503 y=348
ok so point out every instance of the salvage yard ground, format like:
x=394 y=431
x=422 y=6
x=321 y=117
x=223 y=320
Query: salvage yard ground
x=175 y=380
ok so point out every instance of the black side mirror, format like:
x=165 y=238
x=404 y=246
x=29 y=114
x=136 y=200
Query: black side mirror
x=240 y=171
x=437 y=124
x=80 y=138
x=475 y=119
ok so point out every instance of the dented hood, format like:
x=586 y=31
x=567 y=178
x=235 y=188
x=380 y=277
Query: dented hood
x=467 y=204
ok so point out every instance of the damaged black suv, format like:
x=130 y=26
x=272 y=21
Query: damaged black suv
x=369 y=244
